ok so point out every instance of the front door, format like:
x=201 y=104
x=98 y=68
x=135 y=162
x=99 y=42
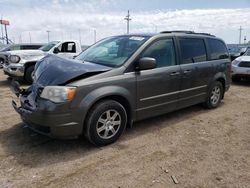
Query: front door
x=157 y=89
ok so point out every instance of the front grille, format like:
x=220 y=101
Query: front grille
x=245 y=64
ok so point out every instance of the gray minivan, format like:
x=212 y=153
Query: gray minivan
x=123 y=79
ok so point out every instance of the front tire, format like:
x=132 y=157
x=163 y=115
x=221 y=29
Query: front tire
x=214 y=95
x=28 y=74
x=105 y=122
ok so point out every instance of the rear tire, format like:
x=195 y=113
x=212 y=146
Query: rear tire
x=105 y=122
x=28 y=74
x=215 y=95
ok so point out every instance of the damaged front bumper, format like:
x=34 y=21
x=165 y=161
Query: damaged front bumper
x=47 y=118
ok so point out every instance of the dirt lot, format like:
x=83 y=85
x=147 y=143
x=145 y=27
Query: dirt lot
x=201 y=148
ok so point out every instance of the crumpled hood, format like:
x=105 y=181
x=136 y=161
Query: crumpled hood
x=53 y=70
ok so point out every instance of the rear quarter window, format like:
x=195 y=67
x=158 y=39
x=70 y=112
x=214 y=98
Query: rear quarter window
x=218 y=49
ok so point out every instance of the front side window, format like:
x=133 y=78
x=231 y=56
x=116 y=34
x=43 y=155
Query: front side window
x=112 y=51
x=162 y=51
x=193 y=50
x=218 y=49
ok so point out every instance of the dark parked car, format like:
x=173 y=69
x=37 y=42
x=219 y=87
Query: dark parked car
x=4 y=51
x=124 y=79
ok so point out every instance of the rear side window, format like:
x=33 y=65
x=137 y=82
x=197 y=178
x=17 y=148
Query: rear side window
x=193 y=50
x=15 y=48
x=218 y=49
x=30 y=47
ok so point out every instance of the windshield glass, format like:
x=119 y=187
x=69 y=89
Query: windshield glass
x=247 y=53
x=48 y=46
x=112 y=51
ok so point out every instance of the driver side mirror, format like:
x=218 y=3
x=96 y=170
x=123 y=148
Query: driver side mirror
x=56 y=50
x=146 y=63
x=242 y=53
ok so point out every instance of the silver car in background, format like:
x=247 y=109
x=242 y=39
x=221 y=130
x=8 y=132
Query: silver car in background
x=241 y=67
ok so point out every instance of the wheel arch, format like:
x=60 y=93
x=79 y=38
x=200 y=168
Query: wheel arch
x=220 y=77
x=120 y=95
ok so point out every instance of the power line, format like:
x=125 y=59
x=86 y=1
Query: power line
x=128 y=19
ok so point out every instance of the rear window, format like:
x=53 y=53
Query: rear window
x=193 y=50
x=218 y=49
x=30 y=47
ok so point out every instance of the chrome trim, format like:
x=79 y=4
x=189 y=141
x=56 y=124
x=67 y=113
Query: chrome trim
x=172 y=93
x=177 y=100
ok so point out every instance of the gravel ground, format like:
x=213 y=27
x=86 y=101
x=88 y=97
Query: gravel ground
x=196 y=146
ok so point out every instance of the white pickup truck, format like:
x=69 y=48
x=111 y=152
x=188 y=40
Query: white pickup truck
x=20 y=63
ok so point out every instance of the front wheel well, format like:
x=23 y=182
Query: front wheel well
x=28 y=64
x=122 y=100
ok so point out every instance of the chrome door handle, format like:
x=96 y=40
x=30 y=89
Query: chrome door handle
x=174 y=73
x=186 y=71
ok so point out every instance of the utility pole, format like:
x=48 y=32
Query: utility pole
x=80 y=37
x=2 y=28
x=240 y=34
x=20 y=38
x=128 y=19
x=245 y=39
x=30 y=37
x=7 y=40
x=48 y=35
x=94 y=36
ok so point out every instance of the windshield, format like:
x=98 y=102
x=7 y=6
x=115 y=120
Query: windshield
x=247 y=53
x=113 y=51
x=48 y=46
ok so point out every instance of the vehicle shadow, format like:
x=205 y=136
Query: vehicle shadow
x=7 y=82
x=245 y=82
x=33 y=150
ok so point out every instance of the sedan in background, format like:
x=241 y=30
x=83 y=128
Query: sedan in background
x=4 y=51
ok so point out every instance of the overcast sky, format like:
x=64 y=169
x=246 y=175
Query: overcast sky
x=75 y=19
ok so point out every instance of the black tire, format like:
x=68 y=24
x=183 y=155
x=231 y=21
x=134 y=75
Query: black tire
x=236 y=79
x=28 y=74
x=213 y=102
x=96 y=120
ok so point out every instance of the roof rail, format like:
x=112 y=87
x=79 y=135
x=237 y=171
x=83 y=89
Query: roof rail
x=187 y=32
x=178 y=31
